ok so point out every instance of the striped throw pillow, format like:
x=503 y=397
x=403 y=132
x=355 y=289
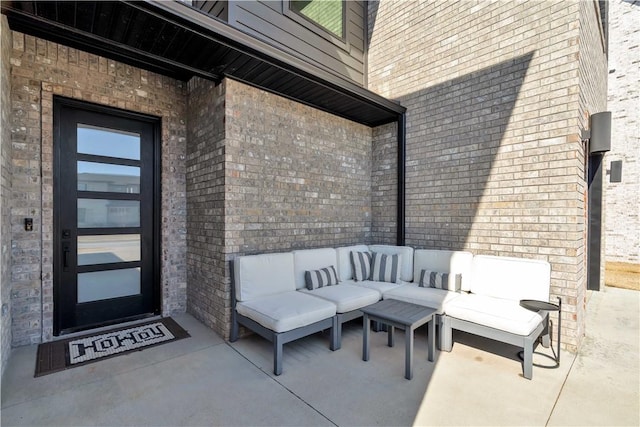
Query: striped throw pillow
x=385 y=268
x=320 y=278
x=446 y=281
x=361 y=265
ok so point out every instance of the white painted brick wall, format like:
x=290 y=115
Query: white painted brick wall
x=623 y=204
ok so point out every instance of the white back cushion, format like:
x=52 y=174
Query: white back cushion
x=261 y=275
x=311 y=259
x=345 y=272
x=452 y=262
x=406 y=258
x=510 y=278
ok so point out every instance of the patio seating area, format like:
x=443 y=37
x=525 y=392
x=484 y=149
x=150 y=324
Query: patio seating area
x=204 y=380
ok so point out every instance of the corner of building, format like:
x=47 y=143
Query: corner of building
x=496 y=95
x=5 y=193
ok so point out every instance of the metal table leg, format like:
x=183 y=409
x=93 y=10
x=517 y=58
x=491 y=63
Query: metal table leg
x=365 y=337
x=408 y=350
x=431 y=339
x=559 y=328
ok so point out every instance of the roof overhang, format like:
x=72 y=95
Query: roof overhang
x=177 y=40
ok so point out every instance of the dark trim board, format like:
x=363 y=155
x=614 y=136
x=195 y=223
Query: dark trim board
x=402 y=165
x=184 y=35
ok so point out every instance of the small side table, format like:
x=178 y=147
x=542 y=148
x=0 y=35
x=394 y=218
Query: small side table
x=403 y=315
x=536 y=305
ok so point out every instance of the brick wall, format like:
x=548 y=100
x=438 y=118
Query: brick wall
x=384 y=184
x=41 y=69
x=296 y=177
x=494 y=161
x=622 y=208
x=208 y=297
x=592 y=91
x=266 y=174
x=290 y=177
x=5 y=193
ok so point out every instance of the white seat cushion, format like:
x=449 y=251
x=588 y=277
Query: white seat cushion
x=257 y=276
x=346 y=297
x=381 y=287
x=286 y=311
x=429 y=297
x=501 y=314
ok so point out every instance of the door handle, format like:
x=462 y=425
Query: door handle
x=65 y=257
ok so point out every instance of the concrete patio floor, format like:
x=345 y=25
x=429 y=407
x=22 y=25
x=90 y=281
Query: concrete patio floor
x=203 y=380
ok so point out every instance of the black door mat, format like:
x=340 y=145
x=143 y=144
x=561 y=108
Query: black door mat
x=57 y=356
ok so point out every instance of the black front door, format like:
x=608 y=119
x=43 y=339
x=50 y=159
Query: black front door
x=106 y=222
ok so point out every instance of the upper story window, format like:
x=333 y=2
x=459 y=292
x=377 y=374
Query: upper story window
x=327 y=14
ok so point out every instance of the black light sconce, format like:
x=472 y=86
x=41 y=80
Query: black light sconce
x=599 y=137
x=615 y=171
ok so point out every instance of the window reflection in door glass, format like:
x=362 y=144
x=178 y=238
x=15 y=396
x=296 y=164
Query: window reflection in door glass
x=107 y=177
x=102 y=285
x=104 y=213
x=105 y=249
x=108 y=142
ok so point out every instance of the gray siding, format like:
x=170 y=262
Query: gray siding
x=218 y=9
x=272 y=22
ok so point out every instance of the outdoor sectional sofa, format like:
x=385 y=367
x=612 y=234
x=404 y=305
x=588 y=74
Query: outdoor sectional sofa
x=478 y=294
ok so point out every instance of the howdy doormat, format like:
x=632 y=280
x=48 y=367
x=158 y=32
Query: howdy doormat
x=64 y=354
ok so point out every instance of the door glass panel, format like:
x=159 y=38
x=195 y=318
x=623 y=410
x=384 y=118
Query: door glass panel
x=108 y=249
x=106 y=177
x=103 y=213
x=102 y=285
x=108 y=142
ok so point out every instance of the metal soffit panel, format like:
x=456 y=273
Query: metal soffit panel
x=173 y=39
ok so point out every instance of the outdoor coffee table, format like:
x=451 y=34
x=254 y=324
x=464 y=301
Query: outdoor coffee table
x=403 y=315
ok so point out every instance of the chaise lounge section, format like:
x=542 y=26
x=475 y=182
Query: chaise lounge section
x=492 y=308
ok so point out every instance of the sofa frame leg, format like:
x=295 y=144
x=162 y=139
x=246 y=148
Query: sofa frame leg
x=277 y=354
x=546 y=341
x=235 y=327
x=377 y=326
x=545 y=338
x=336 y=334
x=527 y=362
x=446 y=334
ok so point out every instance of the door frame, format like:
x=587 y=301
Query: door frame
x=59 y=104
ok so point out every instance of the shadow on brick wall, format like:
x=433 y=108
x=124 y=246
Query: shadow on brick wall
x=454 y=132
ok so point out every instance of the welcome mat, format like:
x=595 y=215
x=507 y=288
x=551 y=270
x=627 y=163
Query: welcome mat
x=57 y=356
